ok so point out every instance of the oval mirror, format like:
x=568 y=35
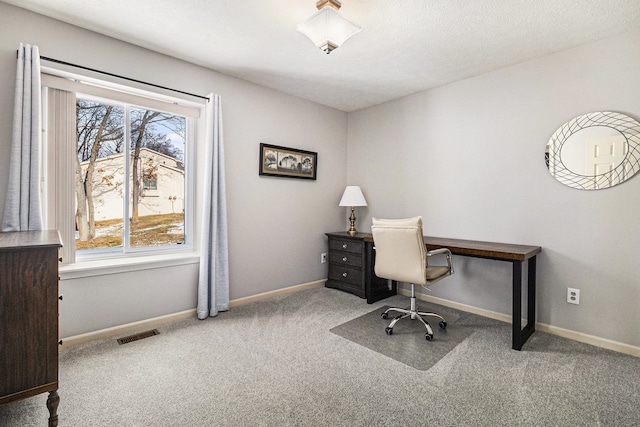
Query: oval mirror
x=594 y=151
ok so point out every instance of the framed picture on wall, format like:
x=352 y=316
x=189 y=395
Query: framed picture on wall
x=287 y=162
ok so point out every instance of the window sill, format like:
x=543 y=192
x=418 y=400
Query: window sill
x=124 y=265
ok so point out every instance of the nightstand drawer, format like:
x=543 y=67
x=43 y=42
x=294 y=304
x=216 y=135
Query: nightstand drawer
x=345 y=274
x=354 y=246
x=345 y=258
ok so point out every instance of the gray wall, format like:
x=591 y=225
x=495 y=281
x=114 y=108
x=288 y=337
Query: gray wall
x=276 y=225
x=469 y=158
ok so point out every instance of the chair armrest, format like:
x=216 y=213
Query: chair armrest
x=439 y=252
x=442 y=251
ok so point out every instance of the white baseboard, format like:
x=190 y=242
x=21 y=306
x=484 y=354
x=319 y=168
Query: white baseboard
x=590 y=339
x=459 y=306
x=277 y=292
x=127 y=328
x=157 y=321
x=554 y=330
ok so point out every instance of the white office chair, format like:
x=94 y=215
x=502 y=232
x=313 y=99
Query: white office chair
x=400 y=255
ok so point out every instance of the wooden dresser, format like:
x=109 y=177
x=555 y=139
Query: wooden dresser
x=29 y=317
x=351 y=261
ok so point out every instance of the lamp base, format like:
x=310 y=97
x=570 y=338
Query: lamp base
x=352 y=218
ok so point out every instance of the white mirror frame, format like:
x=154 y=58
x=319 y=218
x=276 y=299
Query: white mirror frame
x=627 y=126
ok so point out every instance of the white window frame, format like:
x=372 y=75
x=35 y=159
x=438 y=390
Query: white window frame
x=98 y=263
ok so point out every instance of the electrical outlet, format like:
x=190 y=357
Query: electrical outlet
x=323 y=258
x=573 y=296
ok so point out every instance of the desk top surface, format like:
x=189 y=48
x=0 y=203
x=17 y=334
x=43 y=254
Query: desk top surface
x=494 y=250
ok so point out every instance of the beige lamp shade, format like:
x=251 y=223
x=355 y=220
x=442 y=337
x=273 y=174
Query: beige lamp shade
x=352 y=196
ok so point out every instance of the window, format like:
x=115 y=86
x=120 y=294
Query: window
x=123 y=152
x=129 y=186
x=150 y=182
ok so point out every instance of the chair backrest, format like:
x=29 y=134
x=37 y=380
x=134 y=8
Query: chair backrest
x=400 y=251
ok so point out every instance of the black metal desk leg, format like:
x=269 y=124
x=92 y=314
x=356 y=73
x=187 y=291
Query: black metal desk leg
x=519 y=335
x=531 y=295
x=516 y=309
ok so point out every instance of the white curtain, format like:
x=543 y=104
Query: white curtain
x=23 y=210
x=213 y=286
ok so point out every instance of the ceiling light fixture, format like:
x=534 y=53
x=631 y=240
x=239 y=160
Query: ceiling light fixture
x=327 y=28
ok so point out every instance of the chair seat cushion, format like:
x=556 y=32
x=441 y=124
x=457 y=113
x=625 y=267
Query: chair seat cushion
x=436 y=272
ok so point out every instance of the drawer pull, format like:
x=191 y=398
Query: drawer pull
x=344 y=259
x=344 y=274
x=344 y=246
x=60 y=297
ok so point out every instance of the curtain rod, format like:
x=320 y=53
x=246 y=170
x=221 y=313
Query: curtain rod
x=57 y=61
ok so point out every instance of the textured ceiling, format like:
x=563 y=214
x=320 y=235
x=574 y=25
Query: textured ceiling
x=405 y=46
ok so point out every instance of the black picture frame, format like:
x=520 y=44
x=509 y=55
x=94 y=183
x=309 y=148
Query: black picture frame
x=288 y=162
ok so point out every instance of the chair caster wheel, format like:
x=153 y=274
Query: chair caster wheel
x=428 y=336
x=388 y=330
x=442 y=324
x=384 y=315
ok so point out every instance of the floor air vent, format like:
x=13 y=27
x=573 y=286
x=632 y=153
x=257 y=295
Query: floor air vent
x=137 y=337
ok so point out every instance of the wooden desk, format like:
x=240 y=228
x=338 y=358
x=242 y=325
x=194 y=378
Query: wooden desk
x=515 y=254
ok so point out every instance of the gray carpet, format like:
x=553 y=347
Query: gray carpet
x=407 y=344
x=275 y=363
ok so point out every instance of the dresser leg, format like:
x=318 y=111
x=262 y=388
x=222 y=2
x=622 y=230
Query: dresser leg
x=52 y=404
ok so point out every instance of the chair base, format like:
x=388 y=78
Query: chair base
x=413 y=313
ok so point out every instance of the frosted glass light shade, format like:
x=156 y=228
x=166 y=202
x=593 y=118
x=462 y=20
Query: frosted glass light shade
x=328 y=29
x=352 y=196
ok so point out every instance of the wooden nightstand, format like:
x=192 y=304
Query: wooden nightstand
x=351 y=261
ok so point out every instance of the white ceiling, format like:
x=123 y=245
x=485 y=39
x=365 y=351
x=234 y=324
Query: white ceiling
x=405 y=46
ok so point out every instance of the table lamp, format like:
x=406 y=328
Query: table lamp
x=352 y=196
